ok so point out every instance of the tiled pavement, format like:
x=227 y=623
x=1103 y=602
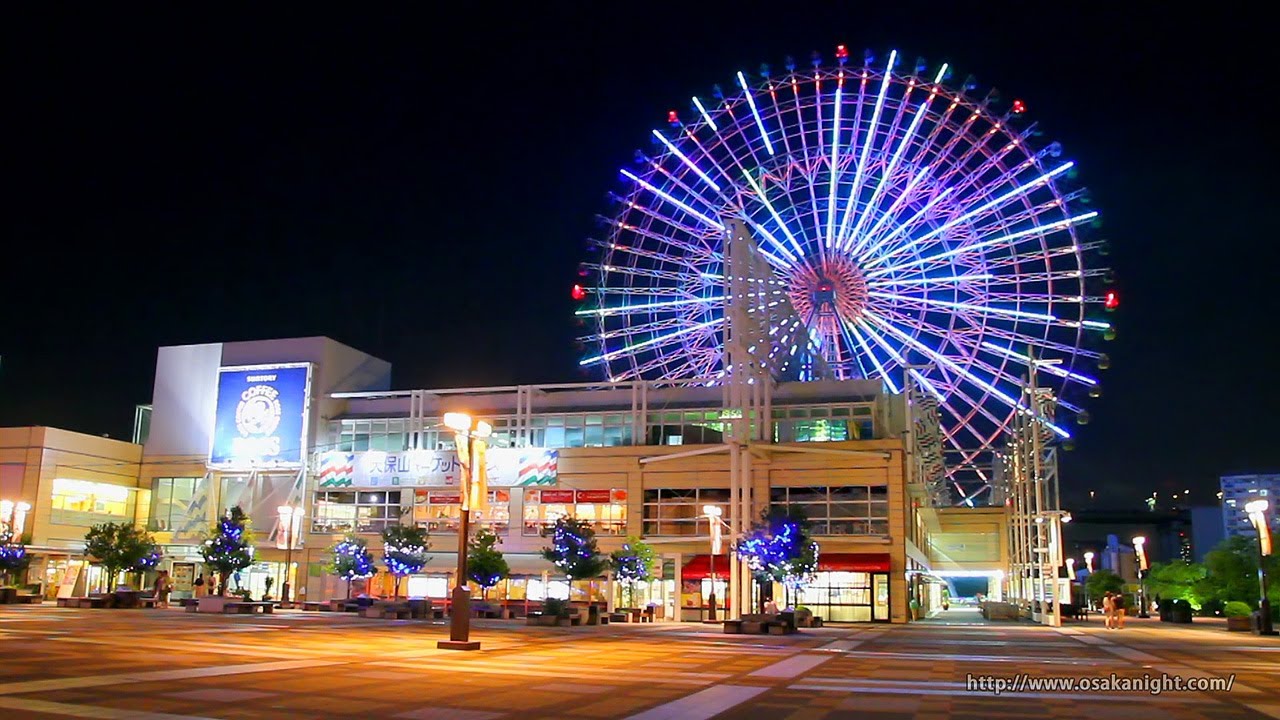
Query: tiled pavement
x=155 y=664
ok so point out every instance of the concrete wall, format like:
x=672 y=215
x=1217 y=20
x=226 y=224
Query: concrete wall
x=969 y=539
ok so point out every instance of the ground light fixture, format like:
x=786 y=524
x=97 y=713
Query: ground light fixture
x=1257 y=511
x=471 y=441
x=713 y=513
x=1139 y=547
x=289 y=515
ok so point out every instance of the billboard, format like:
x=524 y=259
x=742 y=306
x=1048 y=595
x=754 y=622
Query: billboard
x=507 y=467
x=261 y=416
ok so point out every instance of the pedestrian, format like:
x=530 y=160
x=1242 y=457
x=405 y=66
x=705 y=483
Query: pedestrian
x=163 y=588
x=199 y=585
x=1108 y=610
x=1117 y=608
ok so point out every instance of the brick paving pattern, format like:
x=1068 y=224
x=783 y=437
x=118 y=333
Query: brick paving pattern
x=158 y=664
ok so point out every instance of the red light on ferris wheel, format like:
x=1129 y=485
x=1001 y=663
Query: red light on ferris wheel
x=578 y=293
x=673 y=117
x=1112 y=300
x=1019 y=107
x=842 y=52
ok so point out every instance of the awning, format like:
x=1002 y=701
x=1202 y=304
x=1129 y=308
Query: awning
x=853 y=562
x=699 y=568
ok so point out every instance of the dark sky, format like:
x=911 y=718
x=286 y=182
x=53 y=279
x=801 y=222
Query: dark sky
x=413 y=185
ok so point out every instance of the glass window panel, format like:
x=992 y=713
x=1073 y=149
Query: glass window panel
x=573 y=437
x=713 y=495
x=594 y=436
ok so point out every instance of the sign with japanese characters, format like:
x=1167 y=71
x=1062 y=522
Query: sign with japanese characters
x=261 y=416
x=507 y=467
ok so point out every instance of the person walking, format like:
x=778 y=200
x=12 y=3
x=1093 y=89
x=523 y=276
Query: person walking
x=1108 y=610
x=163 y=588
x=1117 y=608
x=199 y=586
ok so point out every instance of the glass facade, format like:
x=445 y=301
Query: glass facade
x=172 y=503
x=81 y=502
x=847 y=596
x=359 y=511
x=679 y=512
x=441 y=511
x=839 y=510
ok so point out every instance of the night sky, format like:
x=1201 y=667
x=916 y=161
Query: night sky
x=418 y=185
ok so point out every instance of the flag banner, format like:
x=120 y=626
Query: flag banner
x=504 y=467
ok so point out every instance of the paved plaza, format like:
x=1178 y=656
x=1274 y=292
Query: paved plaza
x=154 y=664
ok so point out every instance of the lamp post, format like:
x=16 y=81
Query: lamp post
x=1088 y=561
x=1139 y=543
x=713 y=513
x=288 y=515
x=471 y=443
x=1258 y=516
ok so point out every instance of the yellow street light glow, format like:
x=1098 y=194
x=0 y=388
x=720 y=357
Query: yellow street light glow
x=1256 y=507
x=458 y=422
x=483 y=429
x=712 y=511
x=1139 y=541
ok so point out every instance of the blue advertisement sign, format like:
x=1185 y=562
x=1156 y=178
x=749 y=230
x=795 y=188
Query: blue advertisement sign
x=261 y=416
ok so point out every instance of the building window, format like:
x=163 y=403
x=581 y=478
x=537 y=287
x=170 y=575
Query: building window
x=679 y=512
x=80 y=502
x=171 y=504
x=441 y=511
x=848 y=510
x=604 y=510
x=361 y=511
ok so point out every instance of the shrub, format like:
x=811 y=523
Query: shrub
x=1235 y=608
x=556 y=607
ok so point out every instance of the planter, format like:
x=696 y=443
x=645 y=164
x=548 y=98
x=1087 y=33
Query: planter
x=214 y=603
x=1239 y=624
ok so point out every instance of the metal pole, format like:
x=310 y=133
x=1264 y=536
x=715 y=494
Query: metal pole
x=1264 y=605
x=460 y=613
x=711 y=612
x=288 y=560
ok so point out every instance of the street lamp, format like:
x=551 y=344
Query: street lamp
x=1138 y=547
x=713 y=513
x=1088 y=561
x=471 y=442
x=1257 y=511
x=288 y=516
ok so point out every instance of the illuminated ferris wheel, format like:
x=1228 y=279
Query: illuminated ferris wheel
x=913 y=227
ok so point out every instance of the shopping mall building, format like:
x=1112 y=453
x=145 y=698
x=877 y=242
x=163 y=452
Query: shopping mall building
x=312 y=423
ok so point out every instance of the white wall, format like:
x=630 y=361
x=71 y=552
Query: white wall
x=183 y=398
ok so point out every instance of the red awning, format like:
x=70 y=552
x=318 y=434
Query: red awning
x=854 y=562
x=699 y=568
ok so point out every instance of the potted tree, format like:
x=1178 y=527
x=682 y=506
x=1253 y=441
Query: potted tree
x=485 y=565
x=350 y=559
x=119 y=547
x=574 y=550
x=632 y=565
x=1239 y=616
x=228 y=549
x=404 y=551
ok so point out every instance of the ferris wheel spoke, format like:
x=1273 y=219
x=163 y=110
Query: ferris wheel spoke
x=640 y=272
x=654 y=342
x=903 y=143
x=905 y=226
x=958 y=369
x=986 y=310
x=804 y=146
x=689 y=192
x=891 y=213
x=856 y=191
x=940 y=280
x=866 y=349
x=1022 y=340
x=687 y=162
x=692 y=256
x=751 y=101
x=833 y=175
x=1026 y=361
x=644 y=307
x=668 y=198
x=1007 y=239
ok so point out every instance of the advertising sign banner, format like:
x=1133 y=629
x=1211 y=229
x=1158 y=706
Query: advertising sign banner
x=507 y=467
x=261 y=416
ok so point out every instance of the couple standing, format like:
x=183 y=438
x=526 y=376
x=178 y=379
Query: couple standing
x=1113 y=611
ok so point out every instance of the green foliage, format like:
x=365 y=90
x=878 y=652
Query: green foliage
x=1176 y=580
x=485 y=565
x=228 y=547
x=14 y=559
x=1235 y=608
x=1102 y=582
x=633 y=564
x=556 y=607
x=574 y=549
x=780 y=548
x=404 y=551
x=349 y=558
x=1231 y=573
x=118 y=547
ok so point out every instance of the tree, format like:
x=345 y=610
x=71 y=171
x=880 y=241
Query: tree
x=13 y=557
x=633 y=564
x=350 y=559
x=404 y=551
x=574 y=550
x=779 y=548
x=228 y=548
x=485 y=565
x=1176 y=580
x=1231 y=572
x=120 y=547
x=1102 y=582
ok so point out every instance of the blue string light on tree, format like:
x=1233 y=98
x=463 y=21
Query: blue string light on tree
x=573 y=549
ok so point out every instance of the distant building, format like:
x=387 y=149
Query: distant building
x=1207 y=530
x=1237 y=491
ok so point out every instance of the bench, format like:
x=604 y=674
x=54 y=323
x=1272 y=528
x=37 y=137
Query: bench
x=247 y=607
x=83 y=602
x=389 y=611
x=317 y=606
x=147 y=602
x=23 y=599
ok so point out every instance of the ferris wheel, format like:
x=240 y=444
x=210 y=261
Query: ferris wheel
x=916 y=230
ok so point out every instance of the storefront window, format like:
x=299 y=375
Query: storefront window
x=172 y=502
x=605 y=510
x=848 y=510
x=679 y=512
x=80 y=502
x=362 y=511
x=847 y=596
x=441 y=511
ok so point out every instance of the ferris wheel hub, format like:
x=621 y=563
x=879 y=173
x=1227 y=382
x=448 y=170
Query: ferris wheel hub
x=833 y=288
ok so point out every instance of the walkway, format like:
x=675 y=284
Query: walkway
x=172 y=665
